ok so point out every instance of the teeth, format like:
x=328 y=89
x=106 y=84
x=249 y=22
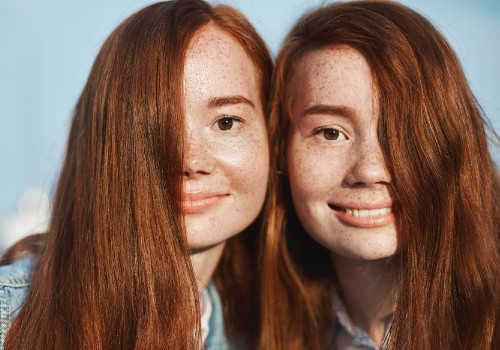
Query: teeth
x=363 y=213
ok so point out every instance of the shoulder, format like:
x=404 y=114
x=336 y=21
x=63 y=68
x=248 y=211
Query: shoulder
x=14 y=284
x=17 y=274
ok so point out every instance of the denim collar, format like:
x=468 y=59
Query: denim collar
x=359 y=338
x=216 y=339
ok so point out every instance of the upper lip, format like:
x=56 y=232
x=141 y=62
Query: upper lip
x=200 y=195
x=364 y=205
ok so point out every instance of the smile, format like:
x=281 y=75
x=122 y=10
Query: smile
x=196 y=202
x=364 y=217
x=363 y=213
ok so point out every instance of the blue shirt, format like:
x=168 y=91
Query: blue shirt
x=14 y=286
x=347 y=336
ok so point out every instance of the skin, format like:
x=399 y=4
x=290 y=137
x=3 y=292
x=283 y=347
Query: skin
x=227 y=157
x=336 y=100
x=336 y=167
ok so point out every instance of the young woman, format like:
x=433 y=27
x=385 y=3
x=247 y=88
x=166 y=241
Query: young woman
x=160 y=174
x=393 y=237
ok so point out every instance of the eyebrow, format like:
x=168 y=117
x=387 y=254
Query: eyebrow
x=330 y=110
x=229 y=100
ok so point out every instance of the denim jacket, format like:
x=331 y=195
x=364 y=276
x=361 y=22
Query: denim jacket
x=15 y=282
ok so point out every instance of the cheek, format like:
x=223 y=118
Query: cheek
x=248 y=163
x=250 y=184
x=302 y=171
x=315 y=172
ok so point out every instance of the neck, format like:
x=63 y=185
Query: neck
x=204 y=263
x=367 y=289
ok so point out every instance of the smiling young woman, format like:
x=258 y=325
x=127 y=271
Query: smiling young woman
x=144 y=249
x=392 y=240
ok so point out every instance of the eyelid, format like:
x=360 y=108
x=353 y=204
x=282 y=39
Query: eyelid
x=229 y=116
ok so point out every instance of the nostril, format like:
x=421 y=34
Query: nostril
x=193 y=171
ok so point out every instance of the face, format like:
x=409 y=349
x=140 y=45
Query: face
x=226 y=155
x=338 y=179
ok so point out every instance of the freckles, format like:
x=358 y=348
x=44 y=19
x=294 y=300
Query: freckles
x=300 y=171
x=316 y=84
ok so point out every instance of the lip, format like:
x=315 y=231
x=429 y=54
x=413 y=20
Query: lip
x=366 y=215
x=194 y=202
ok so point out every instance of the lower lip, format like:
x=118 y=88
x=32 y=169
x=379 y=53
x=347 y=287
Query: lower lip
x=195 y=206
x=368 y=221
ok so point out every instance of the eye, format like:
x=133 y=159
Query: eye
x=331 y=134
x=227 y=123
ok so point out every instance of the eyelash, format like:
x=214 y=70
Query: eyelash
x=321 y=130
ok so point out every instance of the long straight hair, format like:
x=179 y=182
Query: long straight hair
x=114 y=271
x=433 y=136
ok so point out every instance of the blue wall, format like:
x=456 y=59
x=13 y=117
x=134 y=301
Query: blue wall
x=47 y=48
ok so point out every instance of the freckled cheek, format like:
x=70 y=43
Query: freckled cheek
x=249 y=176
x=307 y=174
x=247 y=164
x=257 y=161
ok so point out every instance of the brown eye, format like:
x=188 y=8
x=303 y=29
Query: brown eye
x=331 y=134
x=225 y=123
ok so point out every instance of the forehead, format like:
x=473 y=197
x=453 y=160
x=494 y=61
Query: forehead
x=216 y=63
x=210 y=39
x=321 y=70
x=330 y=57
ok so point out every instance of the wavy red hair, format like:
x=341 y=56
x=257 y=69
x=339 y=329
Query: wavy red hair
x=433 y=136
x=114 y=271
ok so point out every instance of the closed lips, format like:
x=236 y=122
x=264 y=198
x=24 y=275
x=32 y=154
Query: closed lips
x=196 y=202
x=199 y=196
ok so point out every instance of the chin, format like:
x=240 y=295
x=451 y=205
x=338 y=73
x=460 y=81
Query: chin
x=367 y=253
x=200 y=241
x=202 y=247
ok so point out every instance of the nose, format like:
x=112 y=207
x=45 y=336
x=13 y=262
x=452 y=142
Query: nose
x=368 y=167
x=197 y=156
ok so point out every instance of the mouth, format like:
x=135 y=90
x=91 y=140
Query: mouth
x=365 y=217
x=195 y=202
x=363 y=213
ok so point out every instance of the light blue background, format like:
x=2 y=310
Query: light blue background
x=47 y=48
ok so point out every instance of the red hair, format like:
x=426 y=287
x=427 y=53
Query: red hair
x=433 y=137
x=115 y=270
